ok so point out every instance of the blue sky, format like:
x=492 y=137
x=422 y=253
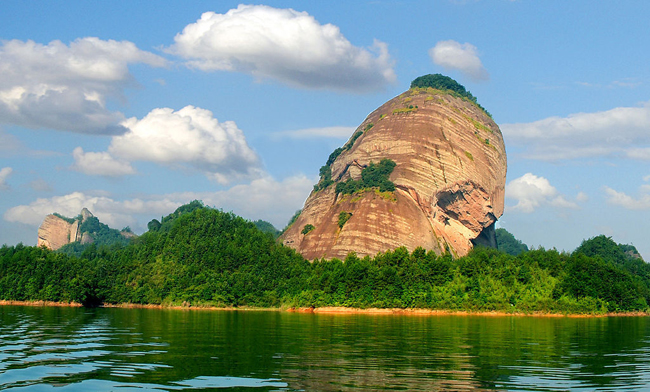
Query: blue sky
x=133 y=108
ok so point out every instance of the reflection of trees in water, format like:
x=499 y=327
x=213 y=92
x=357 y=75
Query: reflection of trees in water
x=350 y=352
x=575 y=352
x=347 y=352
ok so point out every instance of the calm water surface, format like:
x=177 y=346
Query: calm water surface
x=70 y=349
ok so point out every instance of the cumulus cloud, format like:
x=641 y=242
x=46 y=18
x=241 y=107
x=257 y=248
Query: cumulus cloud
x=116 y=214
x=263 y=198
x=100 y=164
x=65 y=87
x=190 y=136
x=642 y=202
x=285 y=45
x=5 y=172
x=621 y=131
x=531 y=192
x=452 y=55
x=315 y=133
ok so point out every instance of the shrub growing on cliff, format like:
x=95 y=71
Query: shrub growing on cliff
x=65 y=218
x=343 y=218
x=292 y=220
x=308 y=227
x=325 y=178
x=374 y=175
x=325 y=171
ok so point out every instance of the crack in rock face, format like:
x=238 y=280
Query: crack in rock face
x=449 y=179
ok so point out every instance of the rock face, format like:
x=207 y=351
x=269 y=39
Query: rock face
x=449 y=177
x=56 y=231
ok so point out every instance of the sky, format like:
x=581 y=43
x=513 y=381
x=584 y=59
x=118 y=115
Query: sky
x=133 y=108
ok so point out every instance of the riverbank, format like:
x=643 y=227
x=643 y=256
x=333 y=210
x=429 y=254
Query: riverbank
x=332 y=310
x=40 y=303
x=443 y=312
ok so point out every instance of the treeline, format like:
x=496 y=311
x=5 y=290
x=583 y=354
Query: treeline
x=101 y=235
x=202 y=256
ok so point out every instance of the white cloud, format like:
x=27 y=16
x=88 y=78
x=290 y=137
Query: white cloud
x=642 y=154
x=264 y=198
x=66 y=87
x=314 y=133
x=621 y=131
x=190 y=136
x=452 y=55
x=623 y=200
x=99 y=164
x=531 y=192
x=5 y=172
x=284 y=45
x=116 y=214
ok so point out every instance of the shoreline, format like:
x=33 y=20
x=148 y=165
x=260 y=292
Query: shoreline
x=332 y=310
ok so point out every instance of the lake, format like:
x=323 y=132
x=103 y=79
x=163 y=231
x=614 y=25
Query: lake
x=76 y=349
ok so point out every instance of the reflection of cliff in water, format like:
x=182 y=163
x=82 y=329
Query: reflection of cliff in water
x=458 y=353
x=384 y=353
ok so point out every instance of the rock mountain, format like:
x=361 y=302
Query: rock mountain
x=57 y=231
x=449 y=179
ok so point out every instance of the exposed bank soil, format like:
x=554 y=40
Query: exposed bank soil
x=40 y=303
x=331 y=310
x=440 y=312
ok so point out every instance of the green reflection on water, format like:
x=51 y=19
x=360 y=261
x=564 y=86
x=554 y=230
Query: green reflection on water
x=239 y=350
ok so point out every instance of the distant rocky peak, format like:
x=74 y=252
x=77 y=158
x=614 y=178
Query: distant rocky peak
x=85 y=214
x=57 y=230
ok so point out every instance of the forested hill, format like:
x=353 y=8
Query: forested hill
x=202 y=256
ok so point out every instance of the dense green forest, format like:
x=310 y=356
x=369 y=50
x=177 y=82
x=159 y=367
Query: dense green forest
x=507 y=243
x=101 y=235
x=202 y=256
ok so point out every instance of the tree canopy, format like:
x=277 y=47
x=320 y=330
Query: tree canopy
x=441 y=82
x=507 y=243
x=445 y=83
x=210 y=257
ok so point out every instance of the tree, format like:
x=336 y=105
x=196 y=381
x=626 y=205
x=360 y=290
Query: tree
x=154 y=225
x=506 y=242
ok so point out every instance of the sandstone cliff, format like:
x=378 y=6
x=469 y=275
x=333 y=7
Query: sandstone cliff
x=449 y=182
x=57 y=230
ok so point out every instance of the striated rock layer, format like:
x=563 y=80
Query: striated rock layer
x=449 y=176
x=56 y=231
